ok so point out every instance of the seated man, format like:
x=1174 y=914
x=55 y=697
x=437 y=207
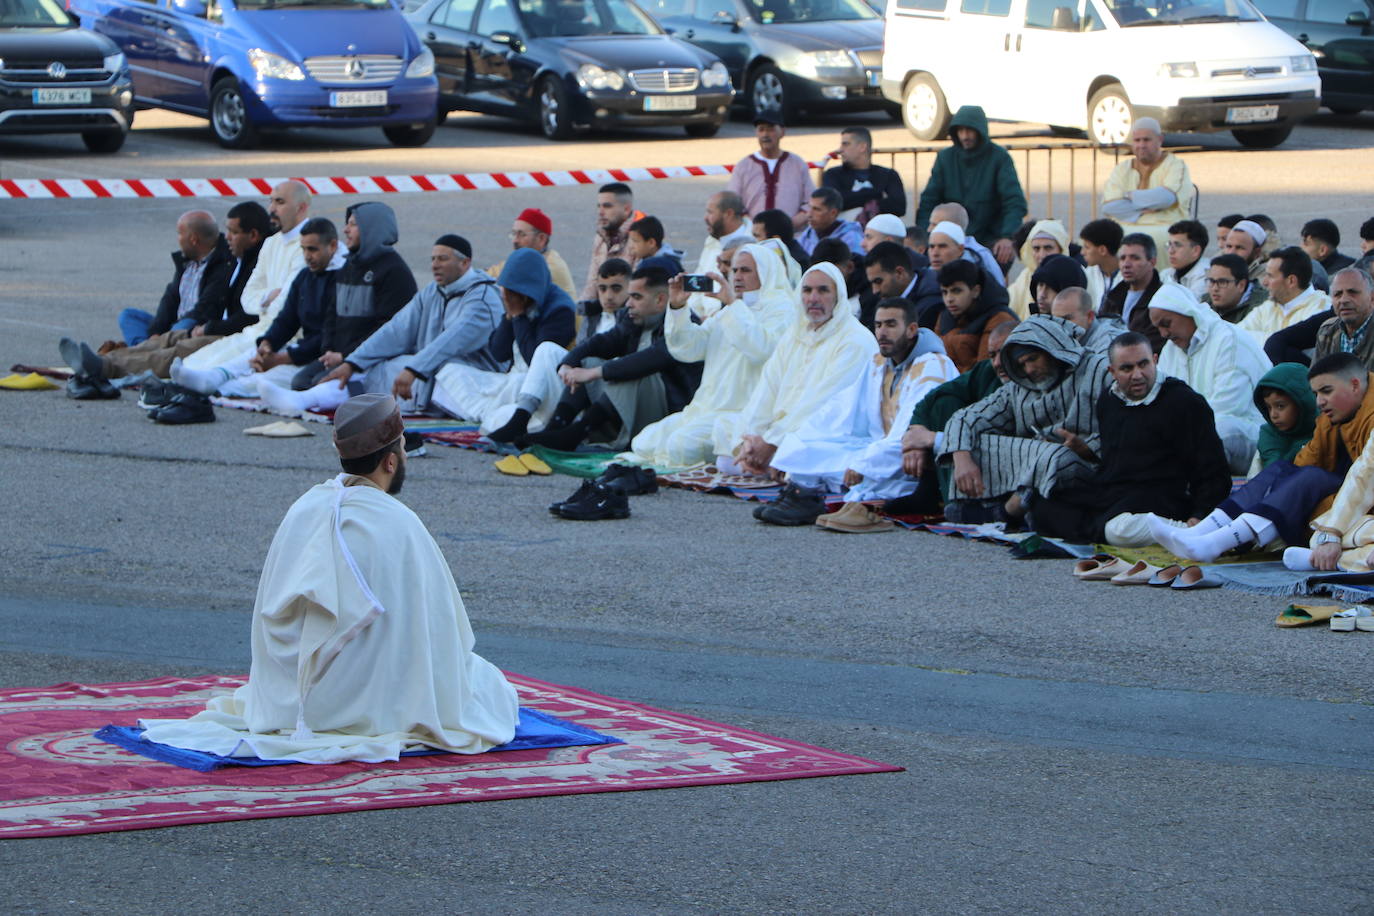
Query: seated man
x=1152 y=189
x=947 y=243
x=1046 y=237
x=823 y=352
x=838 y=253
x=1348 y=331
x=1035 y=434
x=648 y=249
x=1100 y=240
x=199 y=286
x=612 y=292
x=1217 y=360
x=1292 y=298
x=533 y=229
x=538 y=317
x=1229 y=288
x=615 y=210
x=757 y=307
x=361 y=646
x=1187 y=267
x=823 y=222
x=1158 y=451
x=1279 y=500
x=972 y=249
x=1246 y=240
x=620 y=381
x=771 y=224
x=302 y=313
x=855 y=440
x=866 y=190
x=727 y=225
x=969 y=319
x=1321 y=239
x=1074 y=305
x=892 y=276
x=1130 y=299
x=449 y=320
x=1224 y=227
x=883 y=228
x=1056 y=273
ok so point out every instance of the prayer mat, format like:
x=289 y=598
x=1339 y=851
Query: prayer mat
x=574 y=464
x=1156 y=555
x=1280 y=581
x=61 y=780
x=461 y=438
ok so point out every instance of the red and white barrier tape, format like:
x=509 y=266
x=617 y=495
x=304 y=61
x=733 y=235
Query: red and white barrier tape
x=94 y=188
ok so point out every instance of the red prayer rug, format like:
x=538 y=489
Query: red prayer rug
x=61 y=780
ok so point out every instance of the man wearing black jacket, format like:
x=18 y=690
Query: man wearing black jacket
x=621 y=380
x=202 y=264
x=246 y=227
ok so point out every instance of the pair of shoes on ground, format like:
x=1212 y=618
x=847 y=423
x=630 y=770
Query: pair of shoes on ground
x=1107 y=568
x=1352 y=619
x=854 y=518
x=592 y=502
x=629 y=479
x=523 y=465
x=183 y=408
x=415 y=445
x=794 y=506
x=89 y=382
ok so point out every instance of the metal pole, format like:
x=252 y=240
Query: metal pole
x=1049 y=182
x=1073 y=190
x=1029 y=183
x=1094 y=182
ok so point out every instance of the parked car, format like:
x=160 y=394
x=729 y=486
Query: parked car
x=818 y=55
x=1339 y=34
x=570 y=64
x=56 y=78
x=253 y=64
x=1097 y=65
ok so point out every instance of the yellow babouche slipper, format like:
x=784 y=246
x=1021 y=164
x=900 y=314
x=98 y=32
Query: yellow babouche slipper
x=512 y=465
x=31 y=382
x=535 y=465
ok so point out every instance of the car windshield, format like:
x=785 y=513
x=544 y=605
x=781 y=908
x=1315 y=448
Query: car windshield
x=329 y=4
x=32 y=14
x=1129 y=14
x=771 y=11
x=561 y=18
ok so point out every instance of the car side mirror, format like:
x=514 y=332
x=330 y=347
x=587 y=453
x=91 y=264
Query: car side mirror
x=75 y=19
x=194 y=8
x=722 y=17
x=1358 y=18
x=509 y=39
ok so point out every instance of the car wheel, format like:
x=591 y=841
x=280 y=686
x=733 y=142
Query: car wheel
x=410 y=134
x=1109 y=116
x=924 y=109
x=555 y=120
x=103 y=141
x=766 y=91
x=1262 y=137
x=709 y=129
x=229 y=116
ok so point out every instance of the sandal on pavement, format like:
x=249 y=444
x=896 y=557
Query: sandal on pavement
x=513 y=466
x=535 y=465
x=1304 y=615
x=1165 y=577
x=1195 y=577
x=1099 y=568
x=1141 y=573
x=1352 y=619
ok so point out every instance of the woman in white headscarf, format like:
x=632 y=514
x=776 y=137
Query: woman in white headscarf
x=823 y=353
x=756 y=306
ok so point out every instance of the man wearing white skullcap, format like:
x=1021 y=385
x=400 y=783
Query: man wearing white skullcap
x=883 y=228
x=1245 y=240
x=1152 y=189
x=974 y=250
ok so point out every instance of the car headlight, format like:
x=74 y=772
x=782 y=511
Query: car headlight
x=114 y=63
x=814 y=62
x=273 y=66
x=422 y=65
x=590 y=76
x=1186 y=70
x=715 y=75
x=1303 y=63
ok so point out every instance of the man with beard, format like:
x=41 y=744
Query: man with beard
x=615 y=210
x=1130 y=299
x=725 y=226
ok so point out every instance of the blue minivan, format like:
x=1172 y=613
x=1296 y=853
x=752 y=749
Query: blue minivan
x=253 y=64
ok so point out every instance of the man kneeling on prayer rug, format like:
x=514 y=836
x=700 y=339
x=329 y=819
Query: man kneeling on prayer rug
x=361 y=646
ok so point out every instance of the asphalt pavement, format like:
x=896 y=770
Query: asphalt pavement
x=1069 y=747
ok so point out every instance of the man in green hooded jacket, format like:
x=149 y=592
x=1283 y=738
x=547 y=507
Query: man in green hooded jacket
x=980 y=175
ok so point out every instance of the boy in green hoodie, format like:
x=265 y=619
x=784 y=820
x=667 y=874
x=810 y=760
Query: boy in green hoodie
x=1289 y=408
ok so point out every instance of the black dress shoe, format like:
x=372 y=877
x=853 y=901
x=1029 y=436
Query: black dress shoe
x=103 y=388
x=796 y=506
x=585 y=490
x=81 y=388
x=632 y=481
x=153 y=395
x=599 y=504
x=184 y=409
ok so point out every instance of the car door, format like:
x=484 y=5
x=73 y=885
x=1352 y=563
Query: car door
x=720 y=26
x=1061 y=40
x=449 y=36
x=492 y=76
x=184 y=40
x=135 y=25
x=983 y=33
x=1339 y=32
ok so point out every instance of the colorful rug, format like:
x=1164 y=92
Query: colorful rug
x=1156 y=555
x=60 y=779
x=706 y=478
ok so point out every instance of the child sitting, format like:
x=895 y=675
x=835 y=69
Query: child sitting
x=1289 y=408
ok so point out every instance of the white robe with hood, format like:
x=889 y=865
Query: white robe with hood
x=361 y=646
x=1269 y=317
x=1223 y=363
x=1019 y=295
x=735 y=342
x=808 y=369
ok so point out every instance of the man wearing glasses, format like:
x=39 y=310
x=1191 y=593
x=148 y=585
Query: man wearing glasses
x=533 y=229
x=1228 y=287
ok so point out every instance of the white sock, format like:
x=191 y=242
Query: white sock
x=206 y=381
x=1260 y=527
x=1201 y=547
x=283 y=400
x=1298 y=559
x=1214 y=520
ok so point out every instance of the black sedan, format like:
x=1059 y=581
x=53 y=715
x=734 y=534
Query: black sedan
x=58 y=78
x=570 y=65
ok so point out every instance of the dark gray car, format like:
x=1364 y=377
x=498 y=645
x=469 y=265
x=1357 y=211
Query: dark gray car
x=1341 y=38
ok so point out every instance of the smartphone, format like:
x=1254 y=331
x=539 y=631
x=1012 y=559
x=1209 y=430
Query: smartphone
x=697 y=283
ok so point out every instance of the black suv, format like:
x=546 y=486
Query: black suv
x=58 y=78
x=1342 y=39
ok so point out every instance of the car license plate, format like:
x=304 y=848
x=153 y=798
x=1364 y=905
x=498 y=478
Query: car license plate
x=62 y=96
x=1252 y=114
x=670 y=102
x=357 y=99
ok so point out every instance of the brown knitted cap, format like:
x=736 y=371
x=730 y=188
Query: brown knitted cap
x=365 y=424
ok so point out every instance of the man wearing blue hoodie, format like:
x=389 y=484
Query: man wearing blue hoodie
x=529 y=342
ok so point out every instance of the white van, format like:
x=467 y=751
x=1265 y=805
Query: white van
x=1096 y=65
